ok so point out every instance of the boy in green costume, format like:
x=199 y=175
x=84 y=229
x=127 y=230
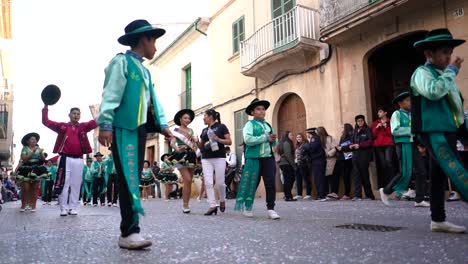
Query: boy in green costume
x=438 y=119
x=407 y=153
x=259 y=139
x=86 y=189
x=130 y=110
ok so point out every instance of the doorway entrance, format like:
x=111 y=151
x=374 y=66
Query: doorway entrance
x=390 y=68
x=291 y=115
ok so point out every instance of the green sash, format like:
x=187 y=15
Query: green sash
x=406 y=169
x=127 y=145
x=248 y=185
x=449 y=162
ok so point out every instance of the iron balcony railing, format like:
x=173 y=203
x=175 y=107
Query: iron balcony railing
x=279 y=34
x=332 y=11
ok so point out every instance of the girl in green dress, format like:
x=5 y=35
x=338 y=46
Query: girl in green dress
x=146 y=180
x=30 y=171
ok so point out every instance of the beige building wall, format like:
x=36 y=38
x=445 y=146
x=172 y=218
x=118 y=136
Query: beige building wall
x=191 y=49
x=355 y=45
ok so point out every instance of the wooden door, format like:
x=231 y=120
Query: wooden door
x=292 y=115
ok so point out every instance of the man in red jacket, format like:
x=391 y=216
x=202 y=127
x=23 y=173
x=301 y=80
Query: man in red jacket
x=71 y=144
x=384 y=147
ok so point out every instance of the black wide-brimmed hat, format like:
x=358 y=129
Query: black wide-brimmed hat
x=438 y=38
x=256 y=102
x=164 y=156
x=181 y=113
x=26 y=138
x=138 y=27
x=311 y=130
x=98 y=154
x=400 y=97
x=50 y=94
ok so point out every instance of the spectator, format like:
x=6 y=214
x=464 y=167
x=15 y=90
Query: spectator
x=317 y=161
x=329 y=146
x=362 y=155
x=287 y=164
x=384 y=148
x=302 y=169
x=231 y=161
x=156 y=170
x=344 y=163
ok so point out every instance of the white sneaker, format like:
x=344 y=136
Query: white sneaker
x=307 y=197
x=22 y=210
x=410 y=194
x=454 y=196
x=422 y=204
x=72 y=212
x=63 y=212
x=95 y=205
x=384 y=197
x=134 y=241
x=297 y=197
x=115 y=205
x=446 y=227
x=273 y=215
x=109 y=204
x=248 y=213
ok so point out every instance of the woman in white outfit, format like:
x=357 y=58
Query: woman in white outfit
x=214 y=138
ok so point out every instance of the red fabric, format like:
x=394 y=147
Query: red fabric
x=75 y=136
x=54 y=158
x=382 y=135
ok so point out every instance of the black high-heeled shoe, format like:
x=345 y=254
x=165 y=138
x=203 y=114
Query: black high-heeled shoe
x=211 y=211
x=222 y=207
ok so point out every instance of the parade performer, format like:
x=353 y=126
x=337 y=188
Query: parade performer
x=31 y=171
x=49 y=184
x=146 y=180
x=167 y=176
x=259 y=139
x=214 y=138
x=112 y=183
x=130 y=110
x=86 y=189
x=71 y=144
x=184 y=157
x=406 y=151
x=98 y=173
x=437 y=116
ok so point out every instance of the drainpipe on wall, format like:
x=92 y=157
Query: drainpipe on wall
x=338 y=86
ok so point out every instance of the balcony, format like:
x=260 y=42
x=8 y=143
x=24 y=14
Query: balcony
x=339 y=15
x=286 y=43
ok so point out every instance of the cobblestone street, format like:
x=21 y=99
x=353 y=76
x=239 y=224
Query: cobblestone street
x=305 y=234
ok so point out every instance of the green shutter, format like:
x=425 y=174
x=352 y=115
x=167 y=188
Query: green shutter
x=280 y=7
x=188 y=87
x=240 y=119
x=238 y=32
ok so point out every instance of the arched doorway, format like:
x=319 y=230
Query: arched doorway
x=390 y=68
x=291 y=115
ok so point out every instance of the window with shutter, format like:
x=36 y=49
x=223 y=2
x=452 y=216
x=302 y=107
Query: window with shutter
x=187 y=96
x=240 y=119
x=238 y=34
x=283 y=28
